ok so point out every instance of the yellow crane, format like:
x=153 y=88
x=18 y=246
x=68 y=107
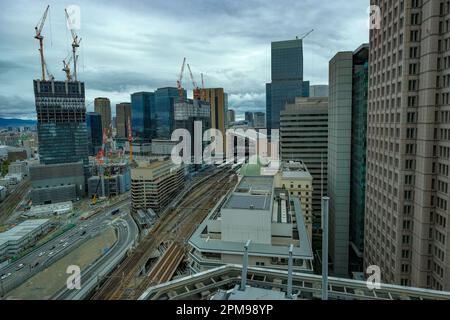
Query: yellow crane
x=66 y=68
x=40 y=38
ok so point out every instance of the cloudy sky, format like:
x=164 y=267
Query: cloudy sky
x=129 y=46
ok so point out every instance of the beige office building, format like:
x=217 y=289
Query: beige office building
x=219 y=108
x=103 y=106
x=408 y=146
x=154 y=184
x=123 y=115
x=304 y=137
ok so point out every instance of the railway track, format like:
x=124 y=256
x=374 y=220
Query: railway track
x=117 y=284
x=8 y=206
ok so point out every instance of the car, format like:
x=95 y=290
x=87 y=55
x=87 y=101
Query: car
x=41 y=254
x=6 y=275
x=50 y=254
x=65 y=244
x=20 y=266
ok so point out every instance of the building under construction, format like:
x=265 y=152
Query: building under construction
x=154 y=184
x=109 y=180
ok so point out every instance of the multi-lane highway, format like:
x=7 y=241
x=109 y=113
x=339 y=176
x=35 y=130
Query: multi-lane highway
x=19 y=271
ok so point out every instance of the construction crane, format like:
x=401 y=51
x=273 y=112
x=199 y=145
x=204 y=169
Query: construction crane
x=40 y=38
x=196 y=88
x=180 y=79
x=49 y=74
x=305 y=35
x=203 y=88
x=75 y=44
x=66 y=68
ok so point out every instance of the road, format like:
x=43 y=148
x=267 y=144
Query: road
x=127 y=232
x=19 y=271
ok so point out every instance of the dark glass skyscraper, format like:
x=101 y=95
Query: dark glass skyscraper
x=163 y=119
x=142 y=105
x=61 y=116
x=287 y=79
x=95 y=132
x=152 y=114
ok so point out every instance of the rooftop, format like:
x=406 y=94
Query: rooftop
x=22 y=230
x=251 y=193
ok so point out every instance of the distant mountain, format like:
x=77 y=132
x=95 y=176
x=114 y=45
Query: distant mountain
x=16 y=122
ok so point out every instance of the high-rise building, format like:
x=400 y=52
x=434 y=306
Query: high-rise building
x=162 y=119
x=346 y=71
x=287 y=79
x=249 y=118
x=231 y=116
x=219 y=108
x=61 y=117
x=407 y=218
x=320 y=90
x=259 y=120
x=123 y=115
x=95 y=132
x=193 y=115
x=142 y=106
x=103 y=107
x=304 y=137
x=152 y=113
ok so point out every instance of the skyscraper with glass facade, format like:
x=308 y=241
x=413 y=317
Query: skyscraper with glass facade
x=287 y=79
x=142 y=106
x=346 y=157
x=152 y=113
x=95 y=132
x=61 y=117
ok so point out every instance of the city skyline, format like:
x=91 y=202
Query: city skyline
x=115 y=62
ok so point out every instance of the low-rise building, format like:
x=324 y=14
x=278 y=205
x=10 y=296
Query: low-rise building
x=57 y=183
x=19 y=168
x=296 y=179
x=22 y=236
x=154 y=184
x=50 y=209
x=259 y=212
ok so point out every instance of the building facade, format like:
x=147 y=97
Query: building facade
x=407 y=229
x=142 y=108
x=219 y=107
x=154 y=184
x=57 y=183
x=103 y=107
x=249 y=118
x=287 y=79
x=61 y=116
x=304 y=137
x=123 y=116
x=95 y=132
x=231 y=116
x=319 y=91
x=259 y=120
x=163 y=118
x=342 y=69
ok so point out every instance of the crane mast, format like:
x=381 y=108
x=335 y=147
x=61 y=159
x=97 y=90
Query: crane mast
x=196 y=88
x=40 y=38
x=180 y=78
x=75 y=44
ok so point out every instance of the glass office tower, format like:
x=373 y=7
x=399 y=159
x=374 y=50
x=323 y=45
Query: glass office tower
x=95 y=132
x=142 y=105
x=163 y=118
x=61 y=116
x=287 y=79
